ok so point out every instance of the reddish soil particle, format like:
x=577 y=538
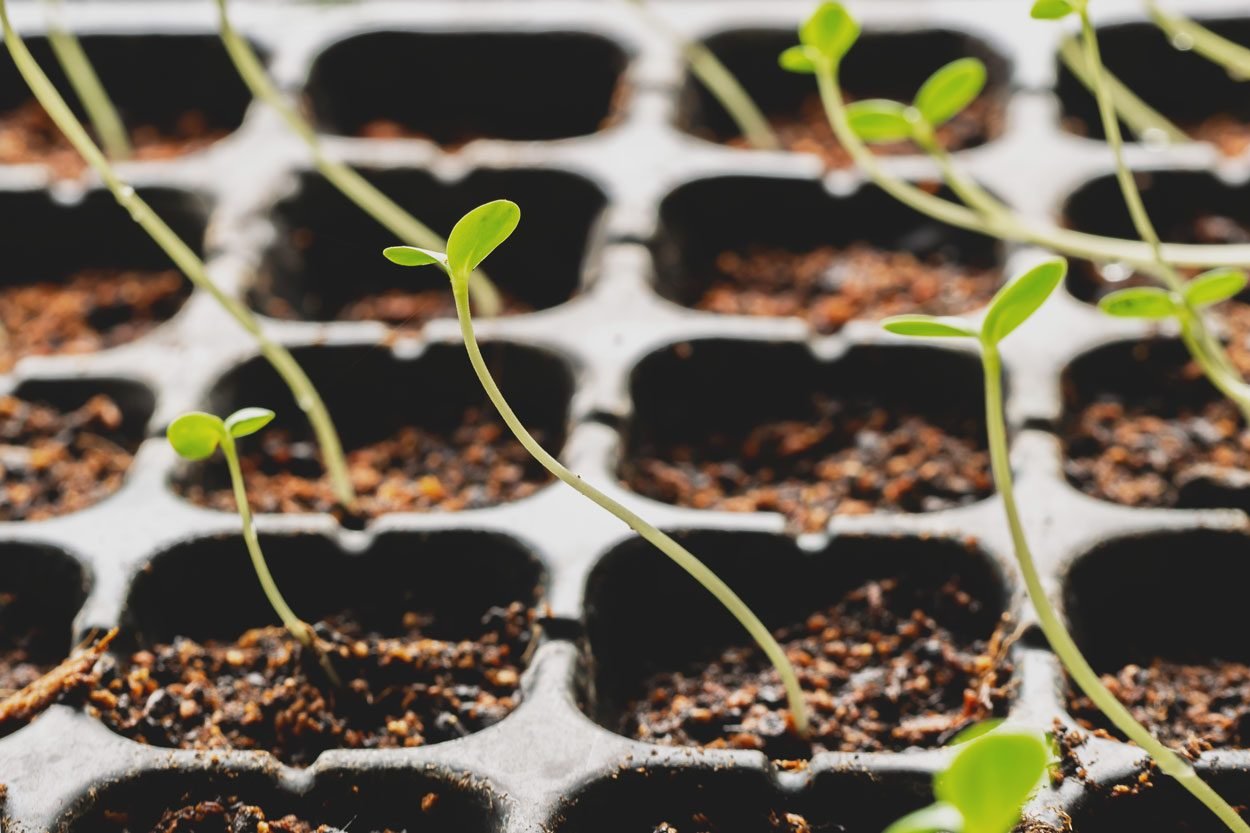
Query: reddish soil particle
x=475 y=465
x=263 y=691
x=54 y=463
x=27 y=135
x=808 y=131
x=92 y=310
x=851 y=458
x=878 y=671
x=229 y=815
x=828 y=287
x=778 y=822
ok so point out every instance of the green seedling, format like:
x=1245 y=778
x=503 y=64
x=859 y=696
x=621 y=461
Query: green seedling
x=197 y=436
x=984 y=787
x=185 y=258
x=475 y=236
x=1010 y=308
x=1188 y=34
x=86 y=84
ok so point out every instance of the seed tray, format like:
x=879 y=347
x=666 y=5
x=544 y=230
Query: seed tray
x=617 y=193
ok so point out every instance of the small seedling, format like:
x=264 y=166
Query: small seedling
x=86 y=84
x=983 y=789
x=474 y=237
x=196 y=436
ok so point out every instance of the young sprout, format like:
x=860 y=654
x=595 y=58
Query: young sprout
x=1011 y=307
x=195 y=436
x=1185 y=33
x=306 y=396
x=475 y=236
x=985 y=785
x=86 y=85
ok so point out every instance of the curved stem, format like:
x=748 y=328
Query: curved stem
x=1230 y=55
x=1052 y=626
x=682 y=556
x=306 y=396
x=351 y=184
x=1145 y=121
x=86 y=84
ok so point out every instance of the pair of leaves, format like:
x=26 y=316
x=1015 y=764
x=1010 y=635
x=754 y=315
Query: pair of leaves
x=471 y=241
x=196 y=435
x=942 y=97
x=824 y=39
x=1154 y=303
x=1012 y=306
x=1053 y=9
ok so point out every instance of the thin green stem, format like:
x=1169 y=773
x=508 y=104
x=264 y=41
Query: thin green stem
x=1145 y=121
x=1052 y=626
x=351 y=184
x=306 y=396
x=1219 y=50
x=682 y=556
x=86 y=84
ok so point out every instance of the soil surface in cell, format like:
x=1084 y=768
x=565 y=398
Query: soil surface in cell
x=808 y=131
x=700 y=822
x=28 y=135
x=56 y=462
x=24 y=641
x=829 y=286
x=91 y=310
x=476 y=464
x=1229 y=134
x=265 y=691
x=851 y=457
x=885 y=668
x=229 y=815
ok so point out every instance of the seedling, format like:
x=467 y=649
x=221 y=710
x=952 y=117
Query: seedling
x=1009 y=309
x=983 y=789
x=474 y=237
x=196 y=436
x=1188 y=34
x=86 y=84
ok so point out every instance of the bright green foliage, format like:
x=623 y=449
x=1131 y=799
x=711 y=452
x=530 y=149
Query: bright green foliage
x=928 y=326
x=1052 y=9
x=479 y=233
x=1215 y=286
x=936 y=818
x=1015 y=302
x=797 y=59
x=1140 y=302
x=829 y=32
x=949 y=90
x=195 y=435
x=880 y=120
x=414 y=256
x=976 y=730
x=247 y=421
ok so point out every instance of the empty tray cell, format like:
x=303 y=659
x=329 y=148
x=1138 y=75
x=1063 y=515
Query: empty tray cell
x=65 y=445
x=1197 y=95
x=1185 y=207
x=880 y=65
x=112 y=286
x=176 y=94
x=428 y=634
x=1143 y=427
x=366 y=801
x=898 y=643
x=1162 y=807
x=1186 y=674
x=786 y=247
x=327 y=263
x=700 y=800
x=521 y=86
x=766 y=427
x=420 y=434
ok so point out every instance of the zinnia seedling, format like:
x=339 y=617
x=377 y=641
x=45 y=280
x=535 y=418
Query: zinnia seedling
x=1010 y=308
x=196 y=436
x=477 y=235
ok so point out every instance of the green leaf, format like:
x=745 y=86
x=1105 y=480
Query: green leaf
x=1215 y=286
x=830 y=31
x=1019 y=299
x=195 y=435
x=950 y=90
x=975 y=731
x=1139 y=302
x=413 y=256
x=797 y=59
x=1052 y=9
x=479 y=233
x=248 y=421
x=990 y=779
x=879 y=120
x=936 y=818
x=928 y=326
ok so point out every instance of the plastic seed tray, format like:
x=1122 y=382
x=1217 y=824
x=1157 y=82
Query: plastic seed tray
x=593 y=126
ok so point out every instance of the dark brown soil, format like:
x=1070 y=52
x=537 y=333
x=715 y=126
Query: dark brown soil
x=850 y=458
x=54 y=463
x=808 y=131
x=477 y=464
x=27 y=136
x=264 y=691
x=91 y=310
x=1229 y=134
x=228 y=815
x=778 y=822
x=23 y=645
x=828 y=287
x=883 y=669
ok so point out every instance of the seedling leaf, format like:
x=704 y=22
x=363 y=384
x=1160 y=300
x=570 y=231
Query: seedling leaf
x=879 y=120
x=830 y=31
x=990 y=779
x=928 y=326
x=479 y=233
x=936 y=818
x=1051 y=9
x=248 y=421
x=797 y=59
x=975 y=731
x=195 y=435
x=1214 y=286
x=414 y=256
x=1019 y=299
x=1139 y=302
x=950 y=90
